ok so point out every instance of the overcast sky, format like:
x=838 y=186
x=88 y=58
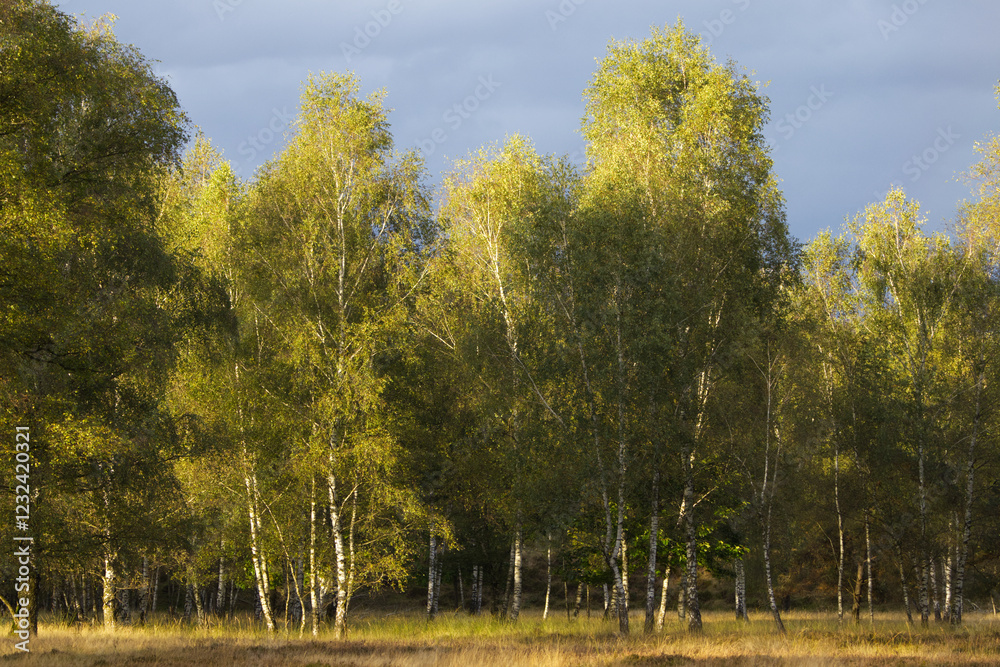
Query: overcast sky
x=864 y=93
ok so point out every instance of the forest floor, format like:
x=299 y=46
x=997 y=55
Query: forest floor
x=461 y=640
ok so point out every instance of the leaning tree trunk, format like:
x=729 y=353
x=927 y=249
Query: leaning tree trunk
x=663 y=599
x=257 y=552
x=902 y=581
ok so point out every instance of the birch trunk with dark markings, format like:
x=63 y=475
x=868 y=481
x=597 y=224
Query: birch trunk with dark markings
x=548 y=575
x=654 y=537
x=515 y=607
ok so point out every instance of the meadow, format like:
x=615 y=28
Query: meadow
x=406 y=638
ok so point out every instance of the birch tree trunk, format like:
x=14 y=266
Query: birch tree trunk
x=156 y=589
x=946 y=565
x=906 y=592
x=437 y=576
x=220 y=594
x=515 y=607
x=963 y=546
x=840 y=532
x=690 y=581
x=935 y=598
x=143 y=589
x=548 y=576
x=479 y=591
x=431 y=573
x=682 y=595
x=256 y=548
x=868 y=566
x=109 y=584
x=767 y=488
x=654 y=536
x=352 y=562
x=315 y=598
x=569 y=618
x=741 y=591
x=663 y=600
x=858 y=580
x=336 y=532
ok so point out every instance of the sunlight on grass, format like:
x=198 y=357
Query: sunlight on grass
x=459 y=639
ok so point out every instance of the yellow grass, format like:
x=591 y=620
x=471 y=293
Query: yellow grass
x=460 y=640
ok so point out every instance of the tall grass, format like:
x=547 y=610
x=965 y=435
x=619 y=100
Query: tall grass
x=378 y=638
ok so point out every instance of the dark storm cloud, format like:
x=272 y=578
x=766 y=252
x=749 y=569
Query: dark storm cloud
x=863 y=94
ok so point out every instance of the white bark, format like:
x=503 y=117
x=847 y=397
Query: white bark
x=548 y=576
x=256 y=548
x=868 y=566
x=336 y=532
x=108 y=599
x=741 y=591
x=663 y=600
x=840 y=532
x=315 y=599
x=515 y=607
x=654 y=536
x=431 y=573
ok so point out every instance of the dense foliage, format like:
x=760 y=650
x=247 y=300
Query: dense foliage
x=278 y=394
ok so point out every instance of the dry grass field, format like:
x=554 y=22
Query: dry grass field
x=459 y=640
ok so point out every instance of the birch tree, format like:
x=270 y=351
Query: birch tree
x=333 y=225
x=909 y=285
x=679 y=169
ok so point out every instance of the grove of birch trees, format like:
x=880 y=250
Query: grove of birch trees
x=623 y=381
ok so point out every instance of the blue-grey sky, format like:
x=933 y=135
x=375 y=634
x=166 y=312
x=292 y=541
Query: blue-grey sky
x=864 y=93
